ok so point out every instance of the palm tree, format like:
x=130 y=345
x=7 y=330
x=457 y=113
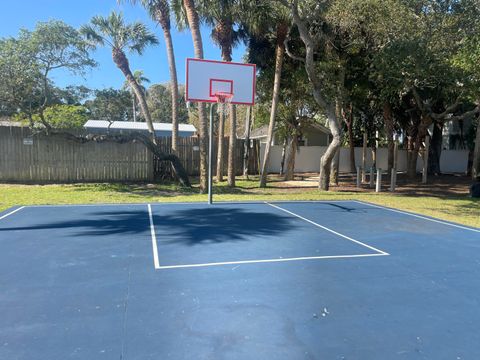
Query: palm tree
x=159 y=11
x=186 y=14
x=140 y=79
x=274 y=20
x=121 y=37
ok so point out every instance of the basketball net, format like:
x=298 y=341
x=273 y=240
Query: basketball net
x=223 y=100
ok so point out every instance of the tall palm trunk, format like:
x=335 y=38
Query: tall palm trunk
x=134 y=107
x=292 y=153
x=231 y=146
x=282 y=31
x=390 y=129
x=121 y=61
x=221 y=133
x=162 y=15
x=194 y=24
x=223 y=35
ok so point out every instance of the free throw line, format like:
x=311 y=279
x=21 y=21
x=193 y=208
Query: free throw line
x=11 y=212
x=417 y=216
x=329 y=230
x=156 y=263
x=269 y=261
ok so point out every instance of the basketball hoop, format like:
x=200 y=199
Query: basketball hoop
x=221 y=82
x=224 y=99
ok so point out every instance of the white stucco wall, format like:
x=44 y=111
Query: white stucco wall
x=308 y=159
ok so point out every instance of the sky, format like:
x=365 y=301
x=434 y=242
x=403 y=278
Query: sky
x=15 y=15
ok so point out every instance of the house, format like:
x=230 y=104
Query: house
x=123 y=127
x=7 y=121
x=312 y=135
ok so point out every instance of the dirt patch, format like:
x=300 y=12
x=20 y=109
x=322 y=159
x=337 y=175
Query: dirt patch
x=439 y=186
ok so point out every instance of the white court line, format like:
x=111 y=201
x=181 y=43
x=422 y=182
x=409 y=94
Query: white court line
x=11 y=212
x=154 y=239
x=417 y=216
x=269 y=261
x=187 y=203
x=330 y=230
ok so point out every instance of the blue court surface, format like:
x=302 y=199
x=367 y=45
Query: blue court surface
x=279 y=280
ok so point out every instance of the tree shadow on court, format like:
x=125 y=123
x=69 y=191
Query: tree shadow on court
x=186 y=226
x=217 y=225
x=98 y=223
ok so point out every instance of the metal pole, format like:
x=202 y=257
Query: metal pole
x=393 y=175
x=379 y=180
x=210 y=153
x=364 y=157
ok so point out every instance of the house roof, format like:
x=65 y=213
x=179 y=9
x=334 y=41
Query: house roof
x=320 y=127
x=7 y=121
x=130 y=125
x=262 y=131
x=259 y=133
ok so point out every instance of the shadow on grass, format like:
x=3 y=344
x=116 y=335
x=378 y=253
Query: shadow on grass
x=189 y=226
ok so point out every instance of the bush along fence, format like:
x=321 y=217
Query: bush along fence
x=29 y=158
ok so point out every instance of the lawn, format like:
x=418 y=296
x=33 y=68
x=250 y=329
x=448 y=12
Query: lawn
x=456 y=208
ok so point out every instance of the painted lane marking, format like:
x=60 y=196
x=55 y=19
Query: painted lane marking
x=269 y=261
x=417 y=216
x=327 y=229
x=12 y=212
x=154 y=238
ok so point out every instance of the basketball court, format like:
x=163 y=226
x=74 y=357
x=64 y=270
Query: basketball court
x=277 y=280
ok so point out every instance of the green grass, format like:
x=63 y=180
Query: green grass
x=459 y=209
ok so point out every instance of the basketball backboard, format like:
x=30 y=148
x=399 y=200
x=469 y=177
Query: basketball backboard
x=205 y=78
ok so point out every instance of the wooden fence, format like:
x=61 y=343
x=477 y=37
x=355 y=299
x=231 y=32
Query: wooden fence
x=51 y=159
x=189 y=154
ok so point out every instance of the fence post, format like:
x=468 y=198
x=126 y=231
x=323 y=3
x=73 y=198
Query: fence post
x=359 y=176
x=379 y=180
x=393 y=177
x=364 y=158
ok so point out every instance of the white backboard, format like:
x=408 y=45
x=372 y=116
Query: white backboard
x=206 y=77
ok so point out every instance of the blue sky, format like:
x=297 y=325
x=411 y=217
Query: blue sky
x=26 y=13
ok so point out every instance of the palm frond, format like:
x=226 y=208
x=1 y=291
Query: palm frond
x=179 y=14
x=93 y=38
x=139 y=37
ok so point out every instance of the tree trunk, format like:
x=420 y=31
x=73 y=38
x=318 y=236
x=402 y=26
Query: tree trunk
x=221 y=136
x=326 y=159
x=246 y=144
x=121 y=61
x=476 y=155
x=316 y=82
x=351 y=144
x=389 y=130
x=231 y=146
x=134 y=108
x=162 y=15
x=173 y=88
x=282 y=31
x=284 y=153
x=335 y=168
x=292 y=153
x=435 y=149
x=194 y=24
